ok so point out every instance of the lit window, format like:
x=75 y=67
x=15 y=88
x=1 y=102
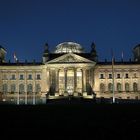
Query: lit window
x=38 y=88
x=5 y=88
x=29 y=88
x=135 y=87
x=126 y=87
x=13 y=88
x=110 y=87
x=102 y=88
x=21 y=88
x=119 y=87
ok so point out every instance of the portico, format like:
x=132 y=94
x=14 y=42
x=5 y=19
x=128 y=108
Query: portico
x=70 y=81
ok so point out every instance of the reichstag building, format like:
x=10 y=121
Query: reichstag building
x=69 y=71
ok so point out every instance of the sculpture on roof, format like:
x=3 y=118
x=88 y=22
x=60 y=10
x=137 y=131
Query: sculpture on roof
x=2 y=54
x=93 y=51
x=46 y=53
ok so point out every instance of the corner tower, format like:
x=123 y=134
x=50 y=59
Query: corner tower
x=136 y=53
x=46 y=53
x=2 y=54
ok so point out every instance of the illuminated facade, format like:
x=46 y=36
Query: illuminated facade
x=66 y=72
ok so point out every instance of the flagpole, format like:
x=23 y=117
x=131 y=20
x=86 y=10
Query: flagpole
x=26 y=96
x=15 y=58
x=18 y=93
x=113 y=79
x=122 y=56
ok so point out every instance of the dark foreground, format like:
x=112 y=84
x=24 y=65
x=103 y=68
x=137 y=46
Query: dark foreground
x=82 y=119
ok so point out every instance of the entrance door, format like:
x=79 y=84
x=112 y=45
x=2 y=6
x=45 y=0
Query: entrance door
x=70 y=82
x=61 y=83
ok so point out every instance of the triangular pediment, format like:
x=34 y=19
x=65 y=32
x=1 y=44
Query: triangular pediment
x=70 y=58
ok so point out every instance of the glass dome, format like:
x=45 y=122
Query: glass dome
x=69 y=47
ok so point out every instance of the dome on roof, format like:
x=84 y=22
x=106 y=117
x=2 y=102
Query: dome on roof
x=69 y=47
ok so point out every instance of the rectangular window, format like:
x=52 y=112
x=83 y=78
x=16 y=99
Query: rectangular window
x=110 y=76
x=38 y=77
x=21 y=77
x=13 y=77
x=118 y=76
x=126 y=75
x=101 y=76
x=29 y=77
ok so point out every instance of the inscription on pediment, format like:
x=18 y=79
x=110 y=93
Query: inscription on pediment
x=70 y=59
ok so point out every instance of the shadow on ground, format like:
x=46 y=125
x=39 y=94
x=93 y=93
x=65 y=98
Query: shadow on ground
x=81 y=119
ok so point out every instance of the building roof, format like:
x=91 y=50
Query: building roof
x=69 y=47
x=2 y=48
x=21 y=64
x=137 y=46
x=119 y=63
x=56 y=55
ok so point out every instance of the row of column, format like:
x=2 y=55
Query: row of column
x=56 y=82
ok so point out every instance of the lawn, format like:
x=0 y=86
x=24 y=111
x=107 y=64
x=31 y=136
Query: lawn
x=71 y=119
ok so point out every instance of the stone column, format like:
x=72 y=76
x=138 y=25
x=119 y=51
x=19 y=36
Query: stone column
x=57 y=82
x=84 y=82
x=75 y=82
x=17 y=82
x=1 y=85
x=34 y=87
x=65 y=77
x=138 y=82
x=48 y=79
x=75 y=79
x=25 y=87
x=91 y=78
x=123 y=81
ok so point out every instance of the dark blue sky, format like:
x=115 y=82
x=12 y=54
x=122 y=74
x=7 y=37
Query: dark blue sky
x=26 y=25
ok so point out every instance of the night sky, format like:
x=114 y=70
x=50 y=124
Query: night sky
x=26 y=25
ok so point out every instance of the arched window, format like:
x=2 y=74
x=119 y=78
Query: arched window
x=102 y=88
x=127 y=87
x=13 y=88
x=4 y=88
x=119 y=87
x=21 y=88
x=37 y=88
x=135 y=87
x=110 y=87
x=29 y=88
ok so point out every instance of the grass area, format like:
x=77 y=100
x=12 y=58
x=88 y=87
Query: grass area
x=99 y=120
